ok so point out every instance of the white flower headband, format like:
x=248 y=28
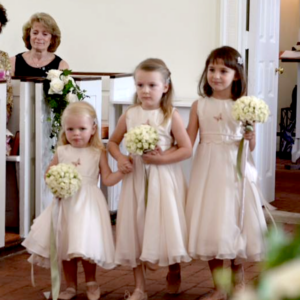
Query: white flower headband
x=240 y=60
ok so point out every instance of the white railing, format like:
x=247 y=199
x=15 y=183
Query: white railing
x=22 y=120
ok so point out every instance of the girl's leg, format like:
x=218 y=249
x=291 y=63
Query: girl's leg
x=70 y=272
x=89 y=270
x=238 y=276
x=213 y=265
x=93 y=289
x=139 y=277
x=173 y=279
x=140 y=283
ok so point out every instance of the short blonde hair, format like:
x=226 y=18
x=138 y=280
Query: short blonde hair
x=50 y=26
x=81 y=108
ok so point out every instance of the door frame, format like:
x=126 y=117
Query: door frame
x=233 y=32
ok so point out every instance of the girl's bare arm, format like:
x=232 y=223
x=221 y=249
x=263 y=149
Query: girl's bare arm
x=124 y=162
x=108 y=177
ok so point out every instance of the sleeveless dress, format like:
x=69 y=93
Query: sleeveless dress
x=214 y=197
x=23 y=69
x=81 y=222
x=157 y=232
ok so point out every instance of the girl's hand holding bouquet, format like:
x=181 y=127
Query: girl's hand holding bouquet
x=249 y=110
x=141 y=139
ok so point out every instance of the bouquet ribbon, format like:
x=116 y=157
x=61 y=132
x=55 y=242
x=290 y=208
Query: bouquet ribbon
x=242 y=157
x=55 y=258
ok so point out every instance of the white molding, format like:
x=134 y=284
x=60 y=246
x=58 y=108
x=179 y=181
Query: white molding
x=27 y=141
x=223 y=22
x=233 y=24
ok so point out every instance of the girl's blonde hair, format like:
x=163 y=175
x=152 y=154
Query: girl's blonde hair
x=157 y=65
x=81 y=108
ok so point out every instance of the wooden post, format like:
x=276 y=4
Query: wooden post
x=2 y=160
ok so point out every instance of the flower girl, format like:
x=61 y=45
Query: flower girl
x=81 y=222
x=219 y=226
x=151 y=224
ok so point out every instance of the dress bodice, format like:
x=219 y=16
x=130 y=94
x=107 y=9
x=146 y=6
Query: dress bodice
x=85 y=159
x=136 y=116
x=216 y=122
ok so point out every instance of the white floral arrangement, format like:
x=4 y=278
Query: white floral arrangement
x=61 y=90
x=141 y=139
x=248 y=110
x=63 y=180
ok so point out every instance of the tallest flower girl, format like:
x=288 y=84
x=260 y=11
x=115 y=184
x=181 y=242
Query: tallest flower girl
x=215 y=200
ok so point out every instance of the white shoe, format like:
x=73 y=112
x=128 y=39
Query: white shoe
x=138 y=294
x=67 y=294
x=93 y=291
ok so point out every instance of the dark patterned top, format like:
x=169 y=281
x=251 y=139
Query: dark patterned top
x=23 y=69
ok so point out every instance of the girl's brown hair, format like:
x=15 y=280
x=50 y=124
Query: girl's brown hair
x=157 y=65
x=50 y=26
x=231 y=59
x=81 y=108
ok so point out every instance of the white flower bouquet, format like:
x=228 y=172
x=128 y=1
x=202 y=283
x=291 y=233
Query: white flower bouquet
x=141 y=139
x=60 y=89
x=249 y=110
x=63 y=180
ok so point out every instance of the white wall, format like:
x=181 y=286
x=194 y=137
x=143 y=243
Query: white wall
x=114 y=36
x=289 y=28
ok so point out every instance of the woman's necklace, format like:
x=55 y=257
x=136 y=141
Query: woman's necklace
x=38 y=62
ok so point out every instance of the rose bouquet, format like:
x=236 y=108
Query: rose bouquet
x=249 y=110
x=63 y=180
x=60 y=89
x=141 y=139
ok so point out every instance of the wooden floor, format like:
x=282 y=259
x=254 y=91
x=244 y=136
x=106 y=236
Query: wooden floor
x=287 y=188
x=11 y=237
